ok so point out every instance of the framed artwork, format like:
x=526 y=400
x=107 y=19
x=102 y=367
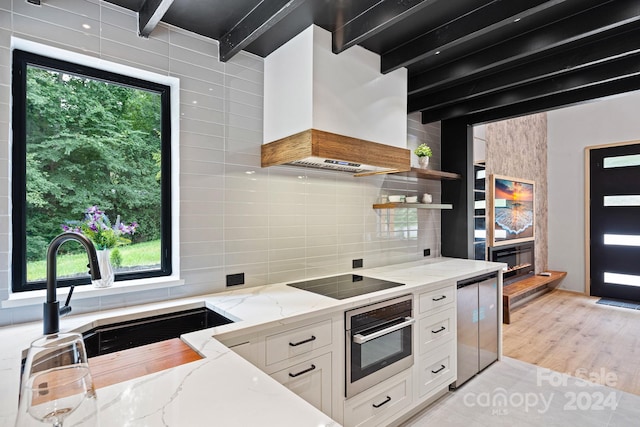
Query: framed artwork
x=511 y=210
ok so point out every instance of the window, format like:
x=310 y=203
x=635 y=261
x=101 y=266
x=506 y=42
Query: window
x=86 y=137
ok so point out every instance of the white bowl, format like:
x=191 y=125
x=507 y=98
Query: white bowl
x=412 y=199
x=395 y=199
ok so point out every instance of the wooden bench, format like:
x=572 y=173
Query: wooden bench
x=522 y=288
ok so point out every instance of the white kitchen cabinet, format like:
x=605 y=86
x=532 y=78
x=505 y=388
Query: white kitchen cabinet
x=310 y=380
x=436 y=329
x=245 y=346
x=436 y=369
x=437 y=299
x=295 y=342
x=377 y=406
x=301 y=356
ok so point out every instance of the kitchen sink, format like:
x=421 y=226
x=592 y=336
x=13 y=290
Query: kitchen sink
x=119 y=336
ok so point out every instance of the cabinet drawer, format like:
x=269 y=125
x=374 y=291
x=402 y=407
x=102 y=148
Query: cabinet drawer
x=437 y=298
x=373 y=408
x=310 y=380
x=297 y=341
x=437 y=368
x=436 y=329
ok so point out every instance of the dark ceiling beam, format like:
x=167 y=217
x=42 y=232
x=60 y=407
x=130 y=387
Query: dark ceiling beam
x=585 y=55
x=374 y=20
x=150 y=14
x=255 y=23
x=557 y=35
x=495 y=14
x=552 y=102
x=622 y=68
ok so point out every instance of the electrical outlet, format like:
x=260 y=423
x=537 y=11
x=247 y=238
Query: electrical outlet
x=427 y=252
x=357 y=263
x=235 y=279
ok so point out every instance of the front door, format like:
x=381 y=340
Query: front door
x=615 y=222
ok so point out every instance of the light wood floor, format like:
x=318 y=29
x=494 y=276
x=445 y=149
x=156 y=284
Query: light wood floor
x=570 y=333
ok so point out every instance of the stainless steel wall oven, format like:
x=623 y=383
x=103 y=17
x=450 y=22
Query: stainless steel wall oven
x=378 y=342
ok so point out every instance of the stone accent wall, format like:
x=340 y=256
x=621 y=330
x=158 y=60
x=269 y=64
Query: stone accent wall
x=518 y=148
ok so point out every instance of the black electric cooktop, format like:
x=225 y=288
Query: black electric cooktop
x=345 y=285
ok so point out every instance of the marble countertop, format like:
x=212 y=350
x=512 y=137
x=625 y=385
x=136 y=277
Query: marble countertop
x=222 y=386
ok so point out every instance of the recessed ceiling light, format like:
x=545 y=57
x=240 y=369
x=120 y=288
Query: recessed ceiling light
x=517 y=20
x=86 y=26
x=437 y=52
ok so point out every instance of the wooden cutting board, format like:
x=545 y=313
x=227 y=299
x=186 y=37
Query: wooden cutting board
x=135 y=362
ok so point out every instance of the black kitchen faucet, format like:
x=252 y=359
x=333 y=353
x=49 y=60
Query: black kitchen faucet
x=52 y=310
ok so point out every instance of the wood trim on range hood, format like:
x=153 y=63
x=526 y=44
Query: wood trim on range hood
x=314 y=143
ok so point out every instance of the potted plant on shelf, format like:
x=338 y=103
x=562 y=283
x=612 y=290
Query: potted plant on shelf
x=423 y=151
x=105 y=236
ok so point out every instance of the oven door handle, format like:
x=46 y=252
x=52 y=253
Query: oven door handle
x=361 y=339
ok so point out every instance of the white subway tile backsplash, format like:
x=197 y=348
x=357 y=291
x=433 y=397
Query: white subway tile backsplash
x=243 y=233
x=241 y=84
x=248 y=60
x=278 y=268
x=201 y=126
x=54 y=35
x=293 y=242
x=189 y=56
x=323 y=240
x=287 y=232
x=66 y=13
x=200 y=234
x=131 y=39
x=118 y=16
x=290 y=251
x=201 y=112
x=201 y=248
x=246 y=245
x=245 y=258
x=196 y=72
x=244 y=98
x=5 y=19
x=188 y=84
x=243 y=134
x=245 y=73
x=134 y=55
x=196 y=140
x=194 y=42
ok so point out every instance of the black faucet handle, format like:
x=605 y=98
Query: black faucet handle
x=66 y=309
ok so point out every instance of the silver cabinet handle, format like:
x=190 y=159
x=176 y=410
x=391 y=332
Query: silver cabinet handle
x=361 y=339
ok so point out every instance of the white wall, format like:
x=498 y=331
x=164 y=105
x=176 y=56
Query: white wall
x=571 y=130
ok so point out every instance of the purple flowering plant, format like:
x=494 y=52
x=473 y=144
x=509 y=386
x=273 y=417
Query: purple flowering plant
x=97 y=227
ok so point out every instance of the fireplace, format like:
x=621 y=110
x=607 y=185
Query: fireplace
x=519 y=258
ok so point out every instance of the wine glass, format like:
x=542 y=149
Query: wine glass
x=56 y=382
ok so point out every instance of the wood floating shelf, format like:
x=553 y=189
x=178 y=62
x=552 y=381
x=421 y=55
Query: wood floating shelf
x=430 y=174
x=391 y=205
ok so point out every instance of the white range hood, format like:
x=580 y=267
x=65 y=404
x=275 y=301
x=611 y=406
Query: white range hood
x=333 y=111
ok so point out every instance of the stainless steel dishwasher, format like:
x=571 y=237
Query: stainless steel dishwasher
x=477 y=325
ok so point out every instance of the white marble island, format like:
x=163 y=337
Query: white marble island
x=222 y=389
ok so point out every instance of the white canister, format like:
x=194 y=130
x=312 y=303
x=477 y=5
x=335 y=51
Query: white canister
x=427 y=198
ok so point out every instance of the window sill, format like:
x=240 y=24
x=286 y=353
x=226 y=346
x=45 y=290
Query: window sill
x=21 y=299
